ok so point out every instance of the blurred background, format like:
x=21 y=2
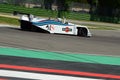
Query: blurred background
x=88 y=10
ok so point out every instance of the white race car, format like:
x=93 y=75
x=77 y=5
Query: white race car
x=29 y=22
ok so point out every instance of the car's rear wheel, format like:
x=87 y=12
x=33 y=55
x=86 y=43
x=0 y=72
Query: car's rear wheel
x=25 y=25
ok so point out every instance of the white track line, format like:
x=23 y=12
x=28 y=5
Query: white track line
x=39 y=76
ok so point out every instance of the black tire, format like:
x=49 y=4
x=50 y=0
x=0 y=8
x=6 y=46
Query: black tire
x=25 y=25
x=82 y=32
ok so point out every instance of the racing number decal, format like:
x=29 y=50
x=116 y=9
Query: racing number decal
x=67 y=29
x=51 y=27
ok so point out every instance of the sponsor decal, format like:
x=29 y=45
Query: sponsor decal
x=67 y=29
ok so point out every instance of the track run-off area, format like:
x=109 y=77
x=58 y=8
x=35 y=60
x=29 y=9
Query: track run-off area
x=28 y=55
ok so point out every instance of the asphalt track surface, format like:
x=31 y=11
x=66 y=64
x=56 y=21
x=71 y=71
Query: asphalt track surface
x=102 y=43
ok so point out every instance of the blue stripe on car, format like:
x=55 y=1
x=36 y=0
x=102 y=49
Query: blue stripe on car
x=47 y=22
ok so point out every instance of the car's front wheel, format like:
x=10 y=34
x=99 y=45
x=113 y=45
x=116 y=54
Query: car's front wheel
x=82 y=32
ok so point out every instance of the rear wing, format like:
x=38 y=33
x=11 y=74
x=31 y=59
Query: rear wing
x=17 y=13
x=20 y=13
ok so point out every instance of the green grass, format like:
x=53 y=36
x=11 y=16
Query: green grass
x=78 y=16
x=5 y=8
x=101 y=27
x=6 y=20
